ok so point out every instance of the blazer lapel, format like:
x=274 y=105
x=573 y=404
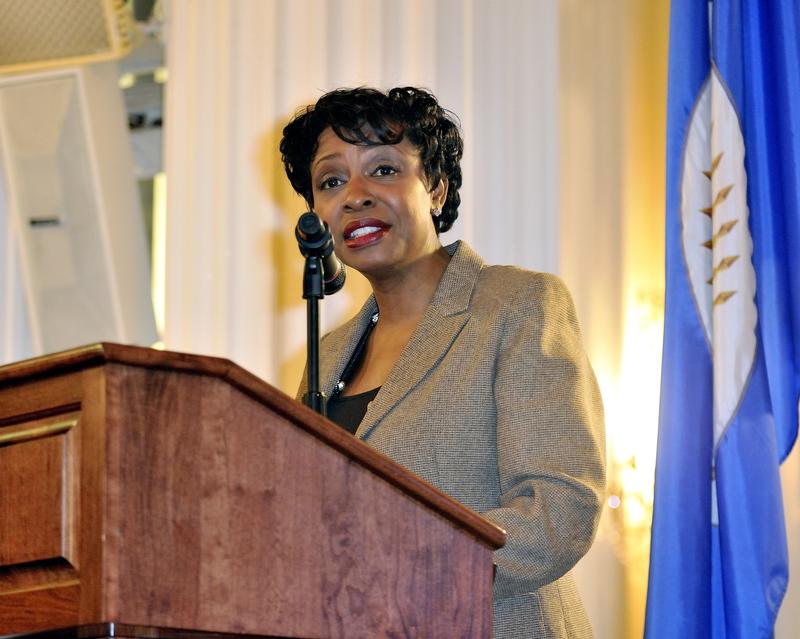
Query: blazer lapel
x=445 y=317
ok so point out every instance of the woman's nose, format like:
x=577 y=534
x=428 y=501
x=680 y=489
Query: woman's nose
x=358 y=194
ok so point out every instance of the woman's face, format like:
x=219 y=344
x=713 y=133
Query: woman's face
x=377 y=203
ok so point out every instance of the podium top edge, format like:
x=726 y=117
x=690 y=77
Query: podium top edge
x=106 y=352
x=103 y=353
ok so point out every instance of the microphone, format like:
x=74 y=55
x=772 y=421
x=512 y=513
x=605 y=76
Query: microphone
x=314 y=238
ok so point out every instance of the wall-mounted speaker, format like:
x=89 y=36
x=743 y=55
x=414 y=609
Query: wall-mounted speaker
x=71 y=206
x=40 y=34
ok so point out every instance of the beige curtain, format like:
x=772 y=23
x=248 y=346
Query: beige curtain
x=613 y=99
x=562 y=106
x=238 y=70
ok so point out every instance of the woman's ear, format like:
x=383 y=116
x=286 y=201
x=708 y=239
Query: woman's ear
x=439 y=194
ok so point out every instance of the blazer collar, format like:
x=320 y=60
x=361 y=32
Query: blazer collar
x=441 y=323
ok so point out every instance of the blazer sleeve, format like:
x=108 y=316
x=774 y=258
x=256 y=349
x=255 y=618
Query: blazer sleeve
x=550 y=441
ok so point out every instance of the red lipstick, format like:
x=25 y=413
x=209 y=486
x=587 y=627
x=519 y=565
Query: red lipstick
x=364 y=232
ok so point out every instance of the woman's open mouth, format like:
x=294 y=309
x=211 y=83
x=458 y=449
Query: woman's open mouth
x=364 y=232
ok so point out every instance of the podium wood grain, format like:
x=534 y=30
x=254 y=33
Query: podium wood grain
x=161 y=490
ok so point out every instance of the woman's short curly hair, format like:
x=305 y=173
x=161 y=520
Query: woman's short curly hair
x=368 y=116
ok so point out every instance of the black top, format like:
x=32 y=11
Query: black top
x=349 y=411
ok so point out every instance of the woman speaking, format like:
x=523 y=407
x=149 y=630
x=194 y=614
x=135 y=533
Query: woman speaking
x=471 y=376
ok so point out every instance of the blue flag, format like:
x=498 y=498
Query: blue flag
x=731 y=364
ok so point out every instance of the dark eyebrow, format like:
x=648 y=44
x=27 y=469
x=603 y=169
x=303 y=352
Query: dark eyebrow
x=324 y=157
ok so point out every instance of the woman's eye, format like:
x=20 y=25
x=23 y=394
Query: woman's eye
x=384 y=169
x=330 y=183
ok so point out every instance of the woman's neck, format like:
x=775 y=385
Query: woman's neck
x=403 y=297
x=402 y=301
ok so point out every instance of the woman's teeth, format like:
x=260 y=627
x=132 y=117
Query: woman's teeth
x=364 y=230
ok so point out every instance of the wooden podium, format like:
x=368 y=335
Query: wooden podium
x=153 y=494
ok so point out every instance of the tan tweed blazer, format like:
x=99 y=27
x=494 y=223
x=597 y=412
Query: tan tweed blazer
x=494 y=402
